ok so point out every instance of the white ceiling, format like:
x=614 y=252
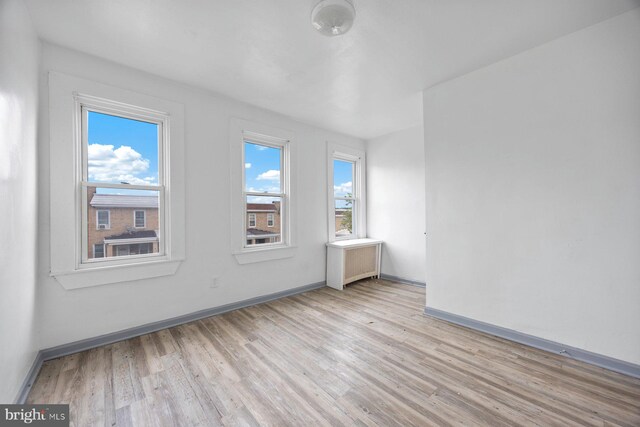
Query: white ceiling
x=265 y=52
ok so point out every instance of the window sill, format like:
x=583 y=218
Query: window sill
x=104 y=275
x=264 y=254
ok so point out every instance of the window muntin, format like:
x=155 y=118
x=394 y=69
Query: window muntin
x=103 y=220
x=344 y=195
x=122 y=169
x=264 y=192
x=139 y=219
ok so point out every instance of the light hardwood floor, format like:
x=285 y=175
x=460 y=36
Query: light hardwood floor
x=364 y=356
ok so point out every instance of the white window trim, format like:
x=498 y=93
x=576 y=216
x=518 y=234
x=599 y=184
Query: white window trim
x=108 y=219
x=339 y=152
x=241 y=130
x=255 y=220
x=144 y=218
x=84 y=104
x=282 y=145
x=66 y=172
x=271 y=219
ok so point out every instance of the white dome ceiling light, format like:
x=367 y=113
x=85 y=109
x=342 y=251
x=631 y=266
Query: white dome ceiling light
x=333 y=17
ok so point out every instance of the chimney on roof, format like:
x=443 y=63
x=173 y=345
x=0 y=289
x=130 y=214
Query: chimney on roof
x=277 y=205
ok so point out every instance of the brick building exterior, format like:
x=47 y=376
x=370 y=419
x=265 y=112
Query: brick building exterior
x=343 y=223
x=263 y=223
x=121 y=225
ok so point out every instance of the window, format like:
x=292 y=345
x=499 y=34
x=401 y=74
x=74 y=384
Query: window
x=264 y=190
x=133 y=249
x=119 y=151
x=121 y=170
x=139 y=219
x=98 y=250
x=343 y=195
x=346 y=193
x=103 y=220
x=263 y=186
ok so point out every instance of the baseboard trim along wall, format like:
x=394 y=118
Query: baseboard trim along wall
x=30 y=378
x=89 y=343
x=402 y=280
x=602 y=361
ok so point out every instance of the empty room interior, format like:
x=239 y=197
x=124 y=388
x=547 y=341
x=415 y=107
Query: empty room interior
x=320 y=212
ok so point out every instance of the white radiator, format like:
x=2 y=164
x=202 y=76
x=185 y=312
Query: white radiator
x=360 y=263
x=351 y=260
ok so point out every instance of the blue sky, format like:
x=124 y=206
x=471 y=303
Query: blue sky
x=342 y=178
x=125 y=150
x=122 y=150
x=262 y=171
x=262 y=168
x=342 y=181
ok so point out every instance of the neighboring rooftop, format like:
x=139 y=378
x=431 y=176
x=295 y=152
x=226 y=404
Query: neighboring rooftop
x=261 y=207
x=123 y=201
x=256 y=232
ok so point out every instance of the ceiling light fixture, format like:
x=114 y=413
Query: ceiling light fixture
x=333 y=17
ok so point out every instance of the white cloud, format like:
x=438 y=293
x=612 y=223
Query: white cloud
x=270 y=175
x=261 y=147
x=255 y=199
x=124 y=164
x=247 y=165
x=343 y=189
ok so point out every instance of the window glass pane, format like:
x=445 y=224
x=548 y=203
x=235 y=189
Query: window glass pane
x=260 y=208
x=98 y=251
x=122 y=237
x=252 y=219
x=342 y=178
x=103 y=219
x=262 y=167
x=139 y=219
x=344 y=217
x=121 y=150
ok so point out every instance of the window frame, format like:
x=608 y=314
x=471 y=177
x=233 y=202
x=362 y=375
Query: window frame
x=65 y=201
x=271 y=220
x=144 y=218
x=283 y=146
x=108 y=224
x=355 y=190
x=241 y=131
x=84 y=104
x=359 y=215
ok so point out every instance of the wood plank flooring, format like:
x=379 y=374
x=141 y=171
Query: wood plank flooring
x=365 y=356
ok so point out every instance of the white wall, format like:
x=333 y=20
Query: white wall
x=84 y=313
x=18 y=203
x=533 y=191
x=395 y=201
